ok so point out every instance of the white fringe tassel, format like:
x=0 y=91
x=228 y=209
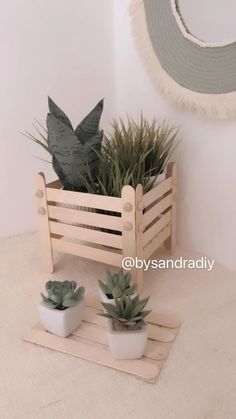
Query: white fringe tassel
x=211 y=105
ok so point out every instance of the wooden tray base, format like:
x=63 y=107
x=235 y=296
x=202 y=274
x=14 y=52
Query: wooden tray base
x=90 y=343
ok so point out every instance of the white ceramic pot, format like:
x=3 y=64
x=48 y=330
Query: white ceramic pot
x=159 y=178
x=61 y=322
x=128 y=344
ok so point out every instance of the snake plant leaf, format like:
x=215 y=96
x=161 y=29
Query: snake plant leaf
x=56 y=166
x=58 y=113
x=89 y=126
x=85 y=156
x=63 y=144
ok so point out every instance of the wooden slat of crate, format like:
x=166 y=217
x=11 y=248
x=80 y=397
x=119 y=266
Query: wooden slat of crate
x=157 y=192
x=156 y=210
x=108 y=203
x=157 y=241
x=156 y=228
x=88 y=252
x=85 y=218
x=93 y=236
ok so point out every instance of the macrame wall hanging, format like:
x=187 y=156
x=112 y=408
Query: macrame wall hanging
x=190 y=72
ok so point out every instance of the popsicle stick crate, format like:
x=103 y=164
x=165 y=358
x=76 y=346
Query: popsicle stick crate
x=104 y=228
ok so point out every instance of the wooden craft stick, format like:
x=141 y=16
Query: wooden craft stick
x=92 y=353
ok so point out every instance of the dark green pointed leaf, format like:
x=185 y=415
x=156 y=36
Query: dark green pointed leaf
x=85 y=157
x=64 y=145
x=58 y=170
x=58 y=113
x=89 y=126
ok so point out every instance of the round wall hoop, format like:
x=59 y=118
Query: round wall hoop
x=190 y=72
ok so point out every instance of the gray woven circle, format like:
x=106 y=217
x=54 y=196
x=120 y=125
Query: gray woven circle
x=210 y=70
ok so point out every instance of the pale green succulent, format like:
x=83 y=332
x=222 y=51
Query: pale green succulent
x=62 y=295
x=127 y=313
x=117 y=285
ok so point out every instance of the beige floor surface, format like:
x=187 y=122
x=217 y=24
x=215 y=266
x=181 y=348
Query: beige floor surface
x=198 y=381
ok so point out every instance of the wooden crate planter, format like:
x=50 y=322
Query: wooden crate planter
x=134 y=225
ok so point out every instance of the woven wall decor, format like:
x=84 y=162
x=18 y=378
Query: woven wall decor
x=196 y=74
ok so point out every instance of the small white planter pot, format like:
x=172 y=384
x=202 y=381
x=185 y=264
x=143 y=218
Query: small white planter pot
x=128 y=344
x=61 y=322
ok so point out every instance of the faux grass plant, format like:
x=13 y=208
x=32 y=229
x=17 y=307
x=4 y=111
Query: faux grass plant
x=133 y=153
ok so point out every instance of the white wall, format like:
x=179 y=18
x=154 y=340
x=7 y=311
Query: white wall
x=206 y=156
x=210 y=20
x=57 y=47
x=65 y=49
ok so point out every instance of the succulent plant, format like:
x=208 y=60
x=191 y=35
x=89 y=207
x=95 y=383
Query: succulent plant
x=127 y=313
x=117 y=285
x=74 y=151
x=62 y=295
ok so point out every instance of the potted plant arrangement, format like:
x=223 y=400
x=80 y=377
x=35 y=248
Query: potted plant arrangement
x=61 y=311
x=127 y=331
x=86 y=160
x=116 y=286
x=109 y=185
